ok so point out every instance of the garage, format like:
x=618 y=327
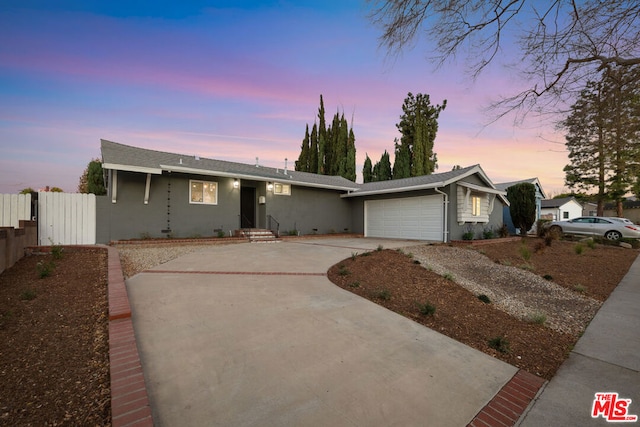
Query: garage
x=419 y=218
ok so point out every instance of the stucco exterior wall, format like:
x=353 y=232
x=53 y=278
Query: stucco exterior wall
x=310 y=210
x=168 y=208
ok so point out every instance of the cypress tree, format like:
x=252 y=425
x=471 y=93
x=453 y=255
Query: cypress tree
x=313 y=150
x=302 y=164
x=322 y=138
x=350 y=161
x=367 y=170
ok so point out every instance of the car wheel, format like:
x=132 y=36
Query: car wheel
x=612 y=235
x=555 y=231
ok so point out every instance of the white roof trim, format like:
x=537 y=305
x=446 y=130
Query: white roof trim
x=130 y=168
x=482 y=189
x=395 y=189
x=285 y=179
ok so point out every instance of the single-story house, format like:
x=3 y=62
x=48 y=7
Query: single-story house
x=153 y=194
x=630 y=208
x=540 y=195
x=561 y=209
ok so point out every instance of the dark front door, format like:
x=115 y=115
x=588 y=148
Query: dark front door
x=247 y=207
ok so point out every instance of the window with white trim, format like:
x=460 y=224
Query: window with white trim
x=203 y=192
x=281 y=189
x=476 y=205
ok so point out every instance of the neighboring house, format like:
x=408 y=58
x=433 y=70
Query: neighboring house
x=561 y=209
x=590 y=209
x=154 y=194
x=631 y=210
x=540 y=195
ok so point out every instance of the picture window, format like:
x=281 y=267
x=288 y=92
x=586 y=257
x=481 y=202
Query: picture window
x=203 y=192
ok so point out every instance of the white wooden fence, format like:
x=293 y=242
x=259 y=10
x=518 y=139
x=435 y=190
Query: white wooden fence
x=14 y=208
x=66 y=218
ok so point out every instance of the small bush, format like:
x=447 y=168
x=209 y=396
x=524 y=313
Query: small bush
x=448 y=276
x=415 y=261
x=538 y=318
x=506 y=262
x=485 y=299
x=426 y=309
x=549 y=237
x=44 y=269
x=500 y=344
x=579 y=288
x=488 y=233
x=468 y=235
x=355 y=284
x=220 y=234
x=365 y=254
x=383 y=294
x=547 y=277
x=527 y=266
x=343 y=271
x=27 y=295
x=379 y=248
x=56 y=251
x=503 y=231
x=578 y=249
x=539 y=247
x=525 y=253
x=591 y=244
x=541 y=227
x=354 y=255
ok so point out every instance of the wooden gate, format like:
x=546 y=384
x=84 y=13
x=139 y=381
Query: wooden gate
x=66 y=218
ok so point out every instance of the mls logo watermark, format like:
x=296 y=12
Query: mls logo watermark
x=612 y=408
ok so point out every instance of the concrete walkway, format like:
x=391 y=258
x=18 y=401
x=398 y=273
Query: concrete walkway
x=255 y=334
x=605 y=359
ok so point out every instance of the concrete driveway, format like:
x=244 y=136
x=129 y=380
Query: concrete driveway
x=255 y=334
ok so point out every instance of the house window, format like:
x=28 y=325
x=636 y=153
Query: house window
x=476 y=206
x=565 y=215
x=203 y=192
x=281 y=189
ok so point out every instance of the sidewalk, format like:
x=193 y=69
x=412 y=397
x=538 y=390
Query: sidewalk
x=605 y=359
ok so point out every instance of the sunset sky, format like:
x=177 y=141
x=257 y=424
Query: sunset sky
x=234 y=80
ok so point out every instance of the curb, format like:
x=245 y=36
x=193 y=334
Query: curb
x=129 y=399
x=510 y=403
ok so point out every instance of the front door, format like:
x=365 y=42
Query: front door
x=247 y=207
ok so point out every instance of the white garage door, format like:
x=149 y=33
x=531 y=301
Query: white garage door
x=418 y=218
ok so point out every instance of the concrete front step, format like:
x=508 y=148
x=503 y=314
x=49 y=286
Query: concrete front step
x=257 y=235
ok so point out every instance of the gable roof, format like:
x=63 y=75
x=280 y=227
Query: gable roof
x=432 y=181
x=122 y=157
x=535 y=181
x=556 y=203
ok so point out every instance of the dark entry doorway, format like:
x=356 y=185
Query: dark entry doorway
x=247 y=207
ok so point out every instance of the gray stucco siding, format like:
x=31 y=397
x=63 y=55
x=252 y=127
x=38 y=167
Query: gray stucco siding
x=310 y=210
x=168 y=207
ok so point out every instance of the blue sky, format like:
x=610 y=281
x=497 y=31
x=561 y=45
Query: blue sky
x=234 y=81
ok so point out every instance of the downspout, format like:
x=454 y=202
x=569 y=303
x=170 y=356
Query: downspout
x=445 y=232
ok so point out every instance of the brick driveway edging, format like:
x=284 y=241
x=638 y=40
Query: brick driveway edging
x=129 y=398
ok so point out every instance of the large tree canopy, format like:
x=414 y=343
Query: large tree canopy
x=562 y=42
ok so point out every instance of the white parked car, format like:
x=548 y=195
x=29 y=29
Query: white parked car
x=609 y=228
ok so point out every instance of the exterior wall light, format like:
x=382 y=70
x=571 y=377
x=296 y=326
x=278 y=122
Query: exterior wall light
x=236 y=183
x=270 y=186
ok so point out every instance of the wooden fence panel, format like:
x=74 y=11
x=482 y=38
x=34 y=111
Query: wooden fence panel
x=66 y=218
x=14 y=208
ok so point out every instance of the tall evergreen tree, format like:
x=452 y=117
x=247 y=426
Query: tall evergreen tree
x=322 y=138
x=383 y=168
x=313 y=150
x=522 y=205
x=302 y=164
x=418 y=127
x=350 y=160
x=367 y=170
x=402 y=161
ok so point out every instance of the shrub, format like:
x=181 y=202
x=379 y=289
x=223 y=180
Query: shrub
x=539 y=247
x=499 y=343
x=448 y=276
x=426 y=309
x=44 y=269
x=383 y=294
x=591 y=243
x=579 y=288
x=343 y=271
x=56 y=251
x=522 y=205
x=549 y=237
x=415 y=261
x=379 y=248
x=578 y=249
x=220 y=234
x=541 y=227
x=485 y=299
x=27 y=295
x=538 y=318
x=488 y=233
x=547 y=277
x=525 y=253
x=354 y=255
x=503 y=231
x=355 y=284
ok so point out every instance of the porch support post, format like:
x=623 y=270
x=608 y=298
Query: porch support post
x=114 y=186
x=146 y=189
